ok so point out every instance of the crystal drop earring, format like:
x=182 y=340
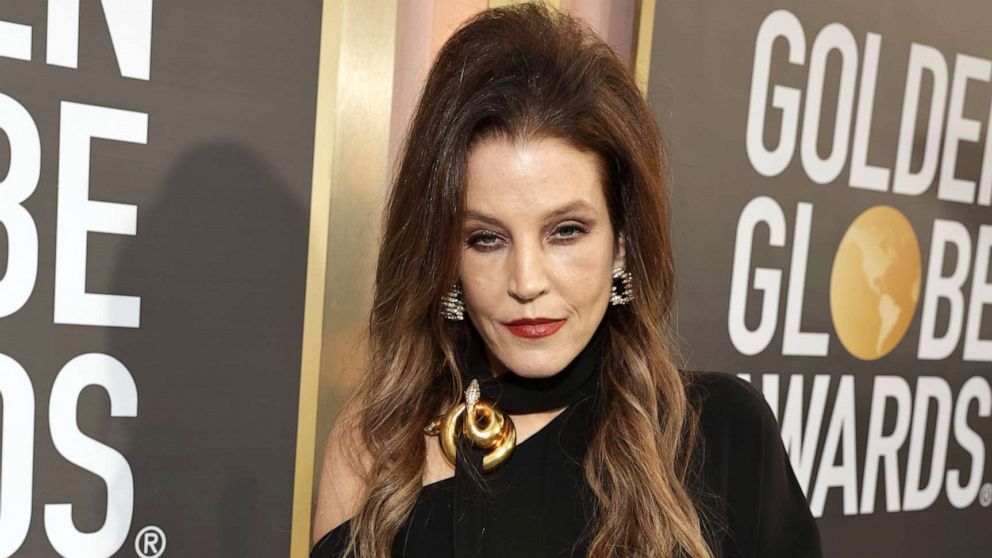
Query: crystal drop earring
x=452 y=305
x=622 y=291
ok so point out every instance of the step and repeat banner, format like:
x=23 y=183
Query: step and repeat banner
x=155 y=171
x=832 y=172
x=832 y=168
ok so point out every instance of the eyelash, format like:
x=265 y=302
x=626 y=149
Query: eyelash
x=475 y=239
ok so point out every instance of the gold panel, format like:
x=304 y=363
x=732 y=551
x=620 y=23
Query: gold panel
x=642 y=47
x=349 y=182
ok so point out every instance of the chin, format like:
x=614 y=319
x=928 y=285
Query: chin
x=536 y=366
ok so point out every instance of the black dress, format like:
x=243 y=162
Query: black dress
x=540 y=503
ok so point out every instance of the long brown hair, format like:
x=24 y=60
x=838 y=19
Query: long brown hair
x=526 y=72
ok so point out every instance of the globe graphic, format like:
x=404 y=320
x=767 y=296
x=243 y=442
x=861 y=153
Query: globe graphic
x=875 y=282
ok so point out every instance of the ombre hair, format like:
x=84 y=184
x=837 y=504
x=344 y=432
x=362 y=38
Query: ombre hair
x=521 y=73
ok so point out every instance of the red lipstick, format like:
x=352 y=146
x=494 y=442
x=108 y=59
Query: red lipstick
x=532 y=328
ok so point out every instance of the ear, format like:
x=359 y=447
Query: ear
x=620 y=250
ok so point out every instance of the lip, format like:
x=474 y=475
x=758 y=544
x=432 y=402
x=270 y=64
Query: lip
x=532 y=328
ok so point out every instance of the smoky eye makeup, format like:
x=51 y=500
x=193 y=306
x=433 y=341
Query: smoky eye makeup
x=569 y=232
x=483 y=240
x=565 y=232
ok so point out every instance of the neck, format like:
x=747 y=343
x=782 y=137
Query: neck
x=518 y=394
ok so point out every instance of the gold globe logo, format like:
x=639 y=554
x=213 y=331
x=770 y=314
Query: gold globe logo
x=875 y=282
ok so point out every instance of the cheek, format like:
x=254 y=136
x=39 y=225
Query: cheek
x=584 y=274
x=480 y=280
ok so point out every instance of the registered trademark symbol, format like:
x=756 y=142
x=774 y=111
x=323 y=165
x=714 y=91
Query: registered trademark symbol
x=985 y=496
x=150 y=542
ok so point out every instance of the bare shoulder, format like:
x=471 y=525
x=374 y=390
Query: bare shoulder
x=342 y=473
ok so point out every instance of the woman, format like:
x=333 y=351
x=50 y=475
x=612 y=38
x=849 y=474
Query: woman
x=526 y=268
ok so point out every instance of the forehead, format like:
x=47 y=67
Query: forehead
x=508 y=178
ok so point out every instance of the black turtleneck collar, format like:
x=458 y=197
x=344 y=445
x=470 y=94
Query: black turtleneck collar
x=520 y=395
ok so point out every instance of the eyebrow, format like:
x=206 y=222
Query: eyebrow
x=577 y=205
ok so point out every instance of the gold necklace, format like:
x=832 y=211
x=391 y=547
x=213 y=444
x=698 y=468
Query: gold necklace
x=485 y=425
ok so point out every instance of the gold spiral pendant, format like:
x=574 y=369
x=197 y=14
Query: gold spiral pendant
x=485 y=426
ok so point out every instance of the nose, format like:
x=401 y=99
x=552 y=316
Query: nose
x=528 y=273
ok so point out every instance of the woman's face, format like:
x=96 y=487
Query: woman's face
x=537 y=254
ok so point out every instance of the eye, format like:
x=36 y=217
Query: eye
x=483 y=241
x=569 y=232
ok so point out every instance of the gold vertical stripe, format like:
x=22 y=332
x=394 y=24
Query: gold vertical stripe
x=359 y=184
x=350 y=174
x=642 y=48
x=313 y=313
